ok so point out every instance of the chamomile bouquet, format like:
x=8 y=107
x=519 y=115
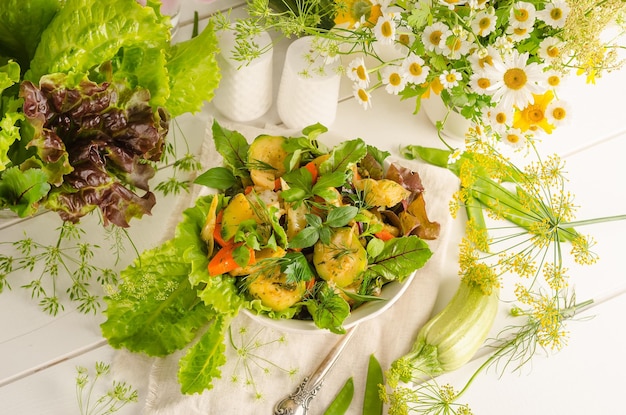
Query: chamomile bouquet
x=496 y=62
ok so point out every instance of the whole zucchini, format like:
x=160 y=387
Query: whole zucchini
x=452 y=337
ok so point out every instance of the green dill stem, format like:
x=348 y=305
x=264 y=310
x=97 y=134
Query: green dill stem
x=595 y=220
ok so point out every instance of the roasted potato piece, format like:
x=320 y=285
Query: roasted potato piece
x=383 y=193
x=273 y=290
x=343 y=260
x=266 y=158
x=265 y=253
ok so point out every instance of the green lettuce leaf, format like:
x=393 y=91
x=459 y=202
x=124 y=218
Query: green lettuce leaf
x=70 y=42
x=155 y=309
x=201 y=364
x=9 y=107
x=20 y=190
x=21 y=25
x=193 y=71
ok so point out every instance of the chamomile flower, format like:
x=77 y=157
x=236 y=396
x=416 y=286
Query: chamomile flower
x=504 y=45
x=450 y=78
x=456 y=46
x=484 y=22
x=555 y=13
x=414 y=69
x=404 y=39
x=480 y=84
x=435 y=35
x=550 y=49
x=355 y=13
x=517 y=33
x=500 y=118
x=393 y=78
x=455 y=155
x=385 y=30
x=362 y=96
x=522 y=15
x=477 y=4
x=558 y=113
x=554 y=79
x=358 y=73
x=514 y=80
x=451 y=4
x=514 y=138
x=482 y=57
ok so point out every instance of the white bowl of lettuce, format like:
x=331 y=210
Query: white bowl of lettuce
x=316 y=238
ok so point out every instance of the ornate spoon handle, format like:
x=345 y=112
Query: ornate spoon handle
x=298 y=402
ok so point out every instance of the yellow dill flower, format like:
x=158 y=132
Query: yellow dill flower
x=581 y=250
x=533 y=117
x=555 y=276
x=477 y=236
x=483 y=276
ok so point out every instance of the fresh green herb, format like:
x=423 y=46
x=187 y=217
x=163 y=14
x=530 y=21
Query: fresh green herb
x=328 y=309
x=118 y=396
x=69 y=259
x=321 y=230
x=250 y=358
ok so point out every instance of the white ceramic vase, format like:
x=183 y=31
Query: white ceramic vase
x=455 y=125
x=245 y=90
x=307 y=95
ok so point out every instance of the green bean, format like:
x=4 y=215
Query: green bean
x=372 y=405
x=342 y=401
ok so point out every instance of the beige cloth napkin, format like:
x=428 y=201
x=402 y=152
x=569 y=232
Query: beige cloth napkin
x=387 y=336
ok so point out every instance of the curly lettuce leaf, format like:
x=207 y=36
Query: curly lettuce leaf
x=155 y=309
x=201 y=363
x=9 y=108
x=21 y=25
x=70 y=43
x=193 y=72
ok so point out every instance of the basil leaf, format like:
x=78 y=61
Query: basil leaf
x=341 y=216
x=217 y=178
x=305 y=238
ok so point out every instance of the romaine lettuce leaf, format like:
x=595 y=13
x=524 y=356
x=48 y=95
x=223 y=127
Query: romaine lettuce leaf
x=21 y=25
x=86 y=33
x=193 y=71
x=201 y=363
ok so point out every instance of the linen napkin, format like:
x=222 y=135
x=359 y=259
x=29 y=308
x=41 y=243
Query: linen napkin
x=272 y=365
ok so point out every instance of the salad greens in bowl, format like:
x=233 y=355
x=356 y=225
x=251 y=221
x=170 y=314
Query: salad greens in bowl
x=300 y=235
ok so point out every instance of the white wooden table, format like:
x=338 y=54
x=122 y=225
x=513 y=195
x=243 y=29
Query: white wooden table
x=39 y=353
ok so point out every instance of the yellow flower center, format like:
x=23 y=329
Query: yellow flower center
x=535 y=115
x=521 y=15
x=363 y=95
x=415 y=69
x=486 y=61
x=553 y=51
x=404 y=39
x=556 y=13
x=395 y=79
x=515 y=78
x=554 y=80
x=484 y=23
x=559 y=113
x=483 y=83
x=519 y=31
x=360 y=73
x=451 y=78
x=386 y=29
x=435 y=37
x=512 y=138
x=500 y=118
x=455 y=44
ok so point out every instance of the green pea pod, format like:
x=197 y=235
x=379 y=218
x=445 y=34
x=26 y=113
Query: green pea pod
x=372 y=405
x=342 y=401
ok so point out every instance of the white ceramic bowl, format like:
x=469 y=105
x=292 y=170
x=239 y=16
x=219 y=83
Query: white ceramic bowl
x=390 y=293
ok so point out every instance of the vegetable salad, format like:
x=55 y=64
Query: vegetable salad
x=296 y=230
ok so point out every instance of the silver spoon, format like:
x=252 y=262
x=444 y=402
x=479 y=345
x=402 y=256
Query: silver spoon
x=298 y=402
